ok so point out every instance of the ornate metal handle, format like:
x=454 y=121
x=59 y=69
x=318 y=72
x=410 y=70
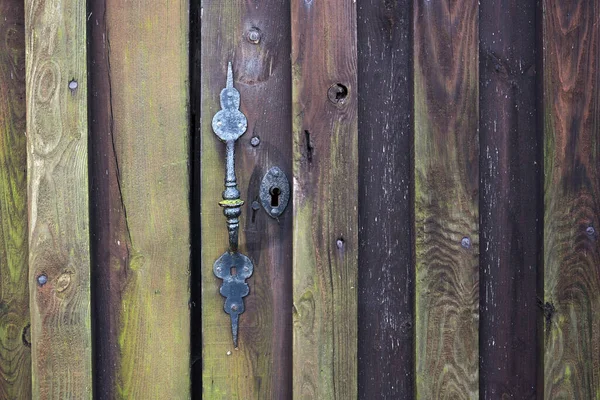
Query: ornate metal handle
x=232 y=267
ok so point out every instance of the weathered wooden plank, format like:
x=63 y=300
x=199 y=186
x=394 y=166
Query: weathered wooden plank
x=446 y=84
x=140 y=209
x=15 y=353
x=571 y=34
x=510 y=206
x=255 y=37
x=59 y=258
x=325 y=265
x=386 y=273
x=107 y=218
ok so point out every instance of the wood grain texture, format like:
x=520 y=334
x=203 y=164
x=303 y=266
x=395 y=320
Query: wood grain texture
x=261 y=367
x=386 y=273
x=446 y=84
x=510 y=200
x=140 y=206
x=57 y=172
x=571 y=101
x=325 y=265
x=15 y=353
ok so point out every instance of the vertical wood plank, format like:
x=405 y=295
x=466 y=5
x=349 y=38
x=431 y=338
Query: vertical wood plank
x=446 y=84
x=571 y=100
x=324 y=91
x=386 y=273
x=261 y=366
x=510 y=200
x=59 y=257
x=140 y=186
x=15 y=353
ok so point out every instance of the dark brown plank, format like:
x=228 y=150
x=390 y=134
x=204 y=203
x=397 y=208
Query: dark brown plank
x=140 y=197
x=572 y=198
x=446 y=82
x=107 y=216
x=510 y=199
x=255 y=37
x=15 y=352
x=324 y=93
x=386 y=273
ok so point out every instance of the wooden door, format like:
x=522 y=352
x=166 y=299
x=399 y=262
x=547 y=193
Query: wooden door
x=441 y=238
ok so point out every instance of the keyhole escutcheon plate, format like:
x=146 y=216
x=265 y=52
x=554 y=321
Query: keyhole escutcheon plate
x=274 y=192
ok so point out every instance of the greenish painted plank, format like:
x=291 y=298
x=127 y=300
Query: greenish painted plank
x=139 y=152
x=59 y=257
x=260 y=368
x=325 y=238
x=15 y=353
x=571 y=81
x=446 y=83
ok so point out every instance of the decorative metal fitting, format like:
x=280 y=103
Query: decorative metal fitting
x=232 y=267
x=274 y=192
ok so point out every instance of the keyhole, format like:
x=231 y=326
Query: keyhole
x=275 y=192
x=233 y=271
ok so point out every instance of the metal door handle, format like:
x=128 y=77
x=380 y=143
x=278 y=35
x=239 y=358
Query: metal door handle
x=232 y=267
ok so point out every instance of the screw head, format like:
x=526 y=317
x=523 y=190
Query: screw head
x=234 y=307
x=253 y=35
x=255 y=205
x=42 y=279
x=255 y=141
x=73 y=84
x=590 y=231
x=339 y=243
x=465 y=242
x=274 y=211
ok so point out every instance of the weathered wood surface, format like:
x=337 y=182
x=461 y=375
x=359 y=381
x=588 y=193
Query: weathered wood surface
x=59 y=257
x=261 y=367
x=15 y=353
x=140 y=206
x=510 y=200
x=571 y=34
x=324 y=95
x=446 y=84
x=386 y=273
